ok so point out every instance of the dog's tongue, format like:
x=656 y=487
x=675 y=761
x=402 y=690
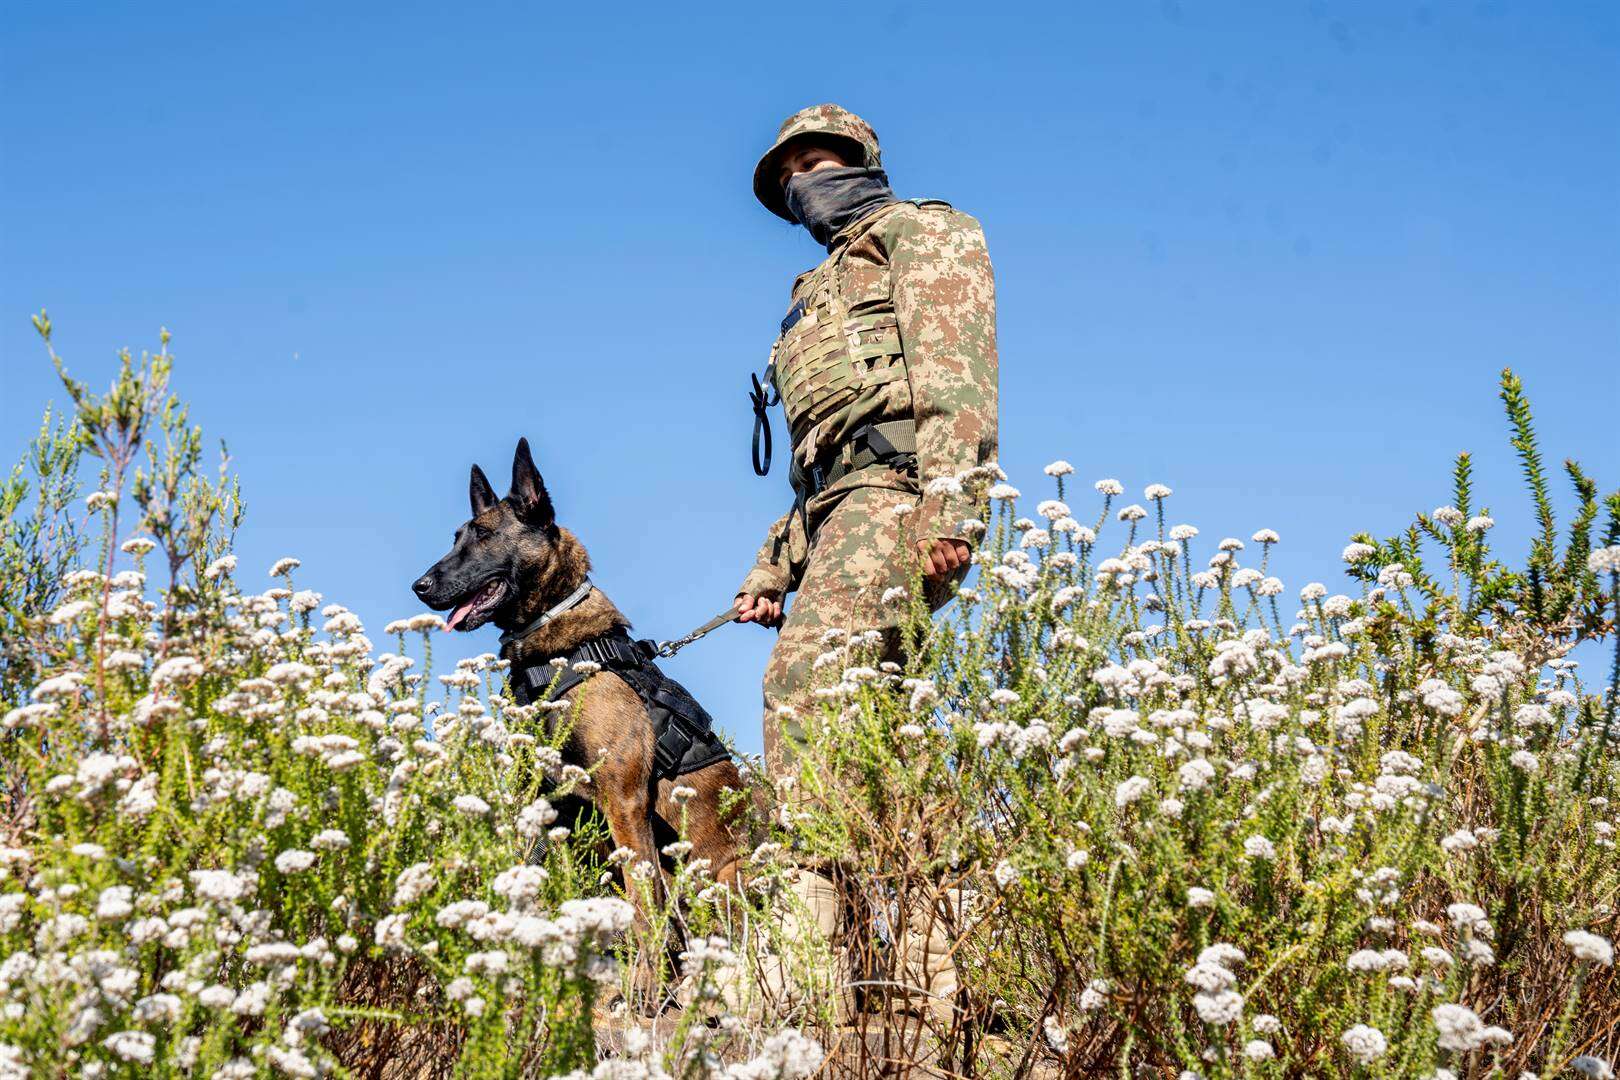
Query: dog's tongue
x=459 y=613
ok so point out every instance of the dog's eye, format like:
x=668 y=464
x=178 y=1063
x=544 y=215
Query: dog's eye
x=479 y=532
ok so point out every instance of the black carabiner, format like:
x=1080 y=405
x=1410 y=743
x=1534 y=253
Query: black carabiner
x=761 y=401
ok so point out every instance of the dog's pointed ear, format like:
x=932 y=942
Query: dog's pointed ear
x=478 y=490
x=528 y=494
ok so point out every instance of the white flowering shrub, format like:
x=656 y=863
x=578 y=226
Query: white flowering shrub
x=234 y=850
x=1162 y=826
x=237 y=840
x=1167 y=826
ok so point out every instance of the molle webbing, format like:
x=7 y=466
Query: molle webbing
x=842 y=339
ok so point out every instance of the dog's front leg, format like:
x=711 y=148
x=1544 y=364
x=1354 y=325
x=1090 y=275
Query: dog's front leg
x=618 y=723
x=629 y=817
x=627 y=809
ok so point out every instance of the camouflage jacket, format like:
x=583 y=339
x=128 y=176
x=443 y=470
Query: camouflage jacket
x=937 y=271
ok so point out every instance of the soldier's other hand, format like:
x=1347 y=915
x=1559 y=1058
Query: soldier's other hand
x=940 y=558
x=759 y=609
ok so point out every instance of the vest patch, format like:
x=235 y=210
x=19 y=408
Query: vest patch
x=795 y=313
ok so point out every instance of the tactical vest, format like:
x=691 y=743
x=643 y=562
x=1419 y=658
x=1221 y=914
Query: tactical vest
x=841 y=337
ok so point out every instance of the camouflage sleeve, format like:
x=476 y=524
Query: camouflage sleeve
x=945 y=299
x=772 y=574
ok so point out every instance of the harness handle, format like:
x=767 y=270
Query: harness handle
x=667 y=649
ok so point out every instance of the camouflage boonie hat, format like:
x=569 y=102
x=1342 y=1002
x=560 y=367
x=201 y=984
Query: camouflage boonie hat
x=827 y=121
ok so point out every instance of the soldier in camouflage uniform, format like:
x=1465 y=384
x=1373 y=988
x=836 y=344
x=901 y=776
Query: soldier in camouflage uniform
x=889 y=342
x=886 y=369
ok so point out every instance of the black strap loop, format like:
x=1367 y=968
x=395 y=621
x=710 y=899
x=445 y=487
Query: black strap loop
x=762 y=400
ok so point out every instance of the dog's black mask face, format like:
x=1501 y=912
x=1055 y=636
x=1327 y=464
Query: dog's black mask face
x=498 y=553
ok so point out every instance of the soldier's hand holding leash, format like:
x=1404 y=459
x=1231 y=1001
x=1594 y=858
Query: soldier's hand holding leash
x=939 y=559
x=759 y=609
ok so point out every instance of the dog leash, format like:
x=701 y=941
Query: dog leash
x=667 y=649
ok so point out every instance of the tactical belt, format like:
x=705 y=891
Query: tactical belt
x=683 y=732
x=893 y=444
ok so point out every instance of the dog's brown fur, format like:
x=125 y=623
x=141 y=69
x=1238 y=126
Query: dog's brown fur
x=612 y=729
x=517 y=542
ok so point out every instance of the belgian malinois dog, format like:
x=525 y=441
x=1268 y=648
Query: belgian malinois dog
x=512 y=563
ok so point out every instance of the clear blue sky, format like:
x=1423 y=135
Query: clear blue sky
x=1271 y=254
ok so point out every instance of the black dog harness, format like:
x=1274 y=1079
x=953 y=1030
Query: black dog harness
x=683 y=732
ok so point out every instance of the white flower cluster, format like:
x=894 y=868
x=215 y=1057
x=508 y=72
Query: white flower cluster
x=1216 y=1002
x=302 y=766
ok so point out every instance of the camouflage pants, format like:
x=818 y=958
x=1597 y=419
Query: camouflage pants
x=860 y=549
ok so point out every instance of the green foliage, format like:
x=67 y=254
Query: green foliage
x=1161 y=828
x=39 y=543
x=1556 y=596
x=1194 y=841
x=232 y=847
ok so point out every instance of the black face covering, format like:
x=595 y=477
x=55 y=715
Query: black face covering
x=826 y=200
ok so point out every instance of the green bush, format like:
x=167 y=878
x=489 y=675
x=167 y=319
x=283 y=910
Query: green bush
x=233 y=850
x=1166 y=830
